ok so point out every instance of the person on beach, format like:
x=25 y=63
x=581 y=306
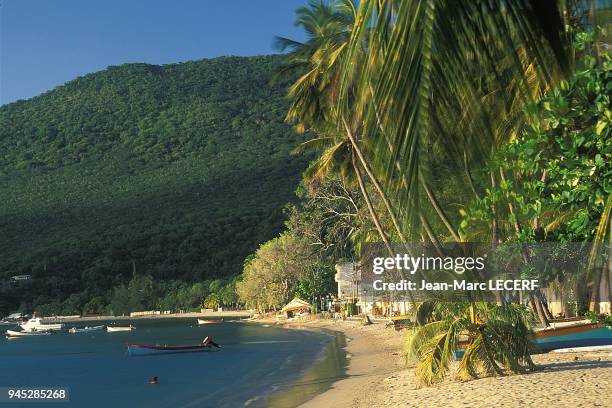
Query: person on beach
x=207 y=342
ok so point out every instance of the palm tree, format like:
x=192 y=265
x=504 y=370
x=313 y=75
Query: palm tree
x=407 y=84
x=313 y=96
x=449 y=74
x=431 y=70
x=315 y=62
x=493 y=339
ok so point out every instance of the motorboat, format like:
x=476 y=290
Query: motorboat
x=38 y=324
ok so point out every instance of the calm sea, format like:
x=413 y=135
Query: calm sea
x=257 y=366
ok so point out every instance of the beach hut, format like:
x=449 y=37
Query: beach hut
x=296 y=306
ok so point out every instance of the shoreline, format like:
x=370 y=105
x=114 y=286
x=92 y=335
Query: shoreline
x=328 y=367
x=372 y=353
x=376 y=376
x=188 y=315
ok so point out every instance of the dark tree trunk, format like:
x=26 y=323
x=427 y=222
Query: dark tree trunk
x=537 y=305
x=544 y=304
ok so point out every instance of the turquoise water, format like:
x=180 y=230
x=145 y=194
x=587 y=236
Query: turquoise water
x=257 y=366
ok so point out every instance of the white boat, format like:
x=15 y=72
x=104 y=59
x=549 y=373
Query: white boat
x=119 y=328
x=13 y=333
x=204 y=321
x=37 y=324
x=583 y=349
x=85 y=329
x=15 y=317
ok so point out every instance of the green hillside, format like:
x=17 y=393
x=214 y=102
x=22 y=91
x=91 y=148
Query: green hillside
x=180 y=170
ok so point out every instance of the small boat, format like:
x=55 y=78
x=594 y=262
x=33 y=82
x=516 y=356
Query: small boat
x=112 y=329
x=577 y=335
x=13 y=333
x=143 y=349
x=85 y=329
x=204 y=321
x=565 y=337
x=588 y=349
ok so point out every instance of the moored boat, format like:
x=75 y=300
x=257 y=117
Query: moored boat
x=205 y=321
x=143 y=349
x=37 y=324
x=13 y=333
x=111 y=329
x=85 y=329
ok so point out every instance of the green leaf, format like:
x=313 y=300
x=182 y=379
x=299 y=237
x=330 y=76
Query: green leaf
x=601 y=125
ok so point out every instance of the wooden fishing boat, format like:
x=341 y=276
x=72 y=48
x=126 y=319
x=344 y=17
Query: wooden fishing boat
x=577 y=335
x=112 y=329
x=143 y=349
x=567 y=336
x=85 y=329
x=205 y=321
x=13 y=333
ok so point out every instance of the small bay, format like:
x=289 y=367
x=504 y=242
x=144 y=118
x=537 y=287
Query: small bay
x=256 y=366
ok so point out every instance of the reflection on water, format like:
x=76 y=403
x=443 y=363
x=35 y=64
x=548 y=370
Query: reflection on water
x=329 y=367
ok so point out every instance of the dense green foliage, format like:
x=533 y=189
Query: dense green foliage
x=321 y=230
x=559 y=167
x=176 y=171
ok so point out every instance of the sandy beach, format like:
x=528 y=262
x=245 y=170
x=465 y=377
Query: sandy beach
x=377 y=377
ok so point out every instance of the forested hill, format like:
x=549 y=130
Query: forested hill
x=178 y=170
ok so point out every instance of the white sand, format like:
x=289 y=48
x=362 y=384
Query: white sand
x=378 y=378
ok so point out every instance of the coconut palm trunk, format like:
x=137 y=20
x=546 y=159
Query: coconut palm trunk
x=373 y=214
x=439 y=211
x=352 y=138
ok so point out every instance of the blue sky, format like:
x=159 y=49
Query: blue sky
x=45 y=43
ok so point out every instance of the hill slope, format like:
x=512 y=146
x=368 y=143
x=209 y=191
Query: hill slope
x=180 y=170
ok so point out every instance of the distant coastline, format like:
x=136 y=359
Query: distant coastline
x=239 y=314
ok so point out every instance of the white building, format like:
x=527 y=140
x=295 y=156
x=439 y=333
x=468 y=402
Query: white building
x=354 y=287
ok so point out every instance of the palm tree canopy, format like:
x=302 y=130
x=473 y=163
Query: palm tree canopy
x=429 y=69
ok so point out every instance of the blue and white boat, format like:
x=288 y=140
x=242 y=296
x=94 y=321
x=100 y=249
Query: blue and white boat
x=578 y=335
x=571 y=336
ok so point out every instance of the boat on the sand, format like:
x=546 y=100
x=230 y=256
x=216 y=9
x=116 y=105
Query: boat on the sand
x=85 y=329
x=588 y=349
x=112 y=329
x=581 y=334
x=13 y=333
x=143 y=349
x=570 y=336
